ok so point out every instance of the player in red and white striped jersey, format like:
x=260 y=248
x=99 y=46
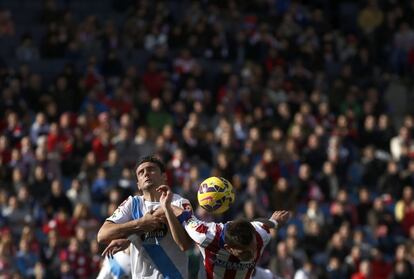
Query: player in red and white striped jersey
x=229 y=250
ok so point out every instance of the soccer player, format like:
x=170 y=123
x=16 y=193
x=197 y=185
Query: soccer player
x=229 y=250
x=154 y=253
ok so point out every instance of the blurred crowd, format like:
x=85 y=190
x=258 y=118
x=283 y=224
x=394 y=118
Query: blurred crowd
x=284 y=98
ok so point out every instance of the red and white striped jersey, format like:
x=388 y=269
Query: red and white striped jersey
x=218 y=262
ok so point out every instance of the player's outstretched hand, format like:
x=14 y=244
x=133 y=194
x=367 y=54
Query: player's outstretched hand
x=281 y=217
x=166 y=196
x=115 y=246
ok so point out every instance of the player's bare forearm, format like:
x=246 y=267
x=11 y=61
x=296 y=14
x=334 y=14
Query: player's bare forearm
x=178 y=233
x=278 y=218
x=177 y=210
x=111 y=231
x=267 y=222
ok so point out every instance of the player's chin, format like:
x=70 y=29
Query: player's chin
x=148 y=185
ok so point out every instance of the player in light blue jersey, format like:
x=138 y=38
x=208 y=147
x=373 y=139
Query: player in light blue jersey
x=116 y=267
x=154 y=253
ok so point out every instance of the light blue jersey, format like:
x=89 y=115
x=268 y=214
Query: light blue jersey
x=153 y=254
x=117 y=267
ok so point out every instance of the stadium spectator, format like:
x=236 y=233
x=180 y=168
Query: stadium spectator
x=364 y=270
x=27 y=52
x=283 y=263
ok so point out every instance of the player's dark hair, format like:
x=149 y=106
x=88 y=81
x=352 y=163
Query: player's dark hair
x=151 y=159
x=239 y=232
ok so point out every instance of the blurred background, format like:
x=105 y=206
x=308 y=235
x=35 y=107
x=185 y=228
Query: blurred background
x=302 y=105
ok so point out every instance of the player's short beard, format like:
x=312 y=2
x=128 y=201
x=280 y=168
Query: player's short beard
x=148 y=186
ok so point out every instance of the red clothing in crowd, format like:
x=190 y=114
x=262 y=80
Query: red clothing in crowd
x=101 y=149
x=79 y=262
x=380 y=269
x=153 y=82
x=59 y=143
x=359 y=275
x=64 y=227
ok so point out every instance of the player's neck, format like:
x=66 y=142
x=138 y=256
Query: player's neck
x=151 y=196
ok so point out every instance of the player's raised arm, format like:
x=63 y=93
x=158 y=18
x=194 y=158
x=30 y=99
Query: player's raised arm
x=278 y=218
x=177 y=231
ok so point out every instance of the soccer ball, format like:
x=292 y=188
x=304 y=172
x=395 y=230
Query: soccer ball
x=215 y=194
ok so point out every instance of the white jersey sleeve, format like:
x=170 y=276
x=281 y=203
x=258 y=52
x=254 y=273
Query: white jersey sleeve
x=182 y=203
x=263 y=230
x=123 y=213
x=201 y=232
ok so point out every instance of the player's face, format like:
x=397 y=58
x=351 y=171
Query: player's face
x=149 y=176
x=244 y=252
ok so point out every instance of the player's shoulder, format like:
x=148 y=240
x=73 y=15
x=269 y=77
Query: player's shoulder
x=177 y=196
x=131 y=201
x=123 y=210
x=136 y=197
x=127 y=201
x=177 y=199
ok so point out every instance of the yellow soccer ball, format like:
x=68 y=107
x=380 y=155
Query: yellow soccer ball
x=215 y=194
